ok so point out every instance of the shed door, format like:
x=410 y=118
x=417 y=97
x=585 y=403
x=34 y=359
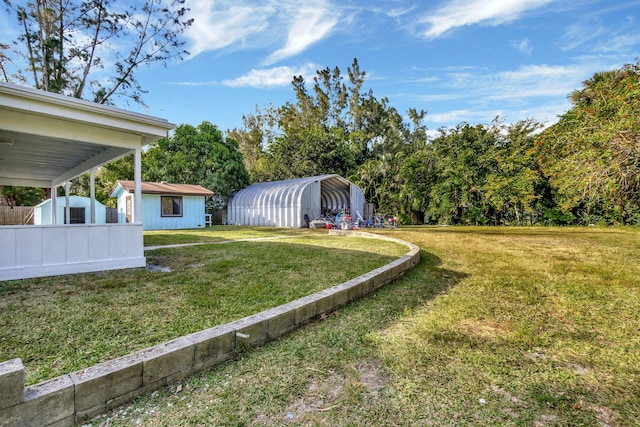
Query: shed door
x=129 y=208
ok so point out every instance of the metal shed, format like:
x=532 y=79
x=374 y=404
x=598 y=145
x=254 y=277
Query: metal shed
x=285 y=203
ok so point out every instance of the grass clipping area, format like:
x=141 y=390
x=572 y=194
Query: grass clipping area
x=496 y=326
x=60 y=324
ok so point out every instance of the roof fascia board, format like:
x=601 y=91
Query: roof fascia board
x=176 y=193
x=117 y=190
x=44 y=103
x=25 y=182
x=63 y=129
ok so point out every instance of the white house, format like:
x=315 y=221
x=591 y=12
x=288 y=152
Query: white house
x=164 y=205
x=47 y=139
x=79 y=211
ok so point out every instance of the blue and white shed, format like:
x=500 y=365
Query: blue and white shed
x=80 y=211
x=164 y=205
x=285 y=203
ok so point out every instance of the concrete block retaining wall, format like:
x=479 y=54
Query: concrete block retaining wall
x=70 y=398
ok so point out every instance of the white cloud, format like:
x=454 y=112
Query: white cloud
x=264 y=78
x=271 y=77
x=397 y=13
x=246 y=24
x=456 y=116
x=191 y=83
x=622 y=43
x=460 y=13
x=522 y=46
x=439 y=97
x=517 y=85
x=620 y=37
x=425 y=79
x=536 y=81
x=545 y=113
x=478 y=96
x=582 y=32
x=308 y=25
x=223 y=24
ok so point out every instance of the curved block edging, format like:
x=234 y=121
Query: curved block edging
x=67 y=399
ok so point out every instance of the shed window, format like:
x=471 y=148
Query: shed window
x=171 y=205
x=76 y=214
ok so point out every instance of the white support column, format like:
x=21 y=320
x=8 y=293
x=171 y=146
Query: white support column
x=92 y=186
x=67 y=208
x=137 y=186
x=54 y=205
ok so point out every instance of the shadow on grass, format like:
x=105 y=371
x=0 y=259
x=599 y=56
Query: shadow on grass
x=335 y=357
x=397 y=300
x=415 y=288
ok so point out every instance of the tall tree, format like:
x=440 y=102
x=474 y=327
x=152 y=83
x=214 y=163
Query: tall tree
x=592 y=155
x=331 y=128
x=22 y=196
x=63 y=44
x=398 y=164
x=198 y=155
x=252 y=139
x=463 y=161
x=511 y=187
x=309 y=151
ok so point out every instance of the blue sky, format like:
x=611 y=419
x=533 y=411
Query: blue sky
x=459 y=60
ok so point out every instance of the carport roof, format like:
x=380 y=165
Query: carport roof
x=47 y=138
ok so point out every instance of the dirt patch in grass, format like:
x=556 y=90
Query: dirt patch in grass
x=319 y=396
x=371 y=376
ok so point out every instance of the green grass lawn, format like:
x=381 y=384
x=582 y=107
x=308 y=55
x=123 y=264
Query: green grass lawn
x=60 y=324
x=215 y=234
x=495 y=326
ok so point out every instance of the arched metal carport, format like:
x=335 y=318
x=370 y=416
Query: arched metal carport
x=285 y=203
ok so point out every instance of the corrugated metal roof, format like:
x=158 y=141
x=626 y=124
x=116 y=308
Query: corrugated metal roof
x=166 y=188
x=285 y=203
